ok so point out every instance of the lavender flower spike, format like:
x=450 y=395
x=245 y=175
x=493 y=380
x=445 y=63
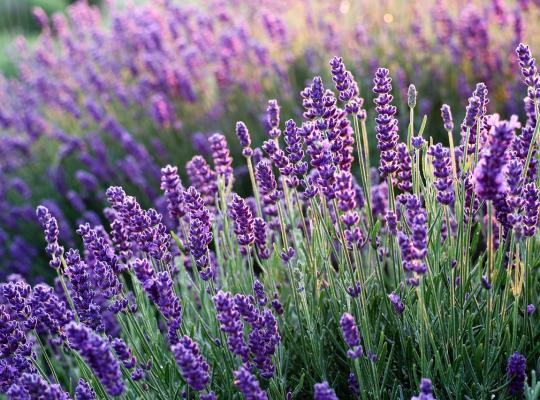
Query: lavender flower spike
x=95 y=350
x=249 y=386
x=50 y=227
x=529 y=70
x=170 y=184
x=446 y=114
x=222 y=157
x=84 y=391
x=387 y=125
x=272 y=118
x=243 y=221
x=192 y=364
x=244 y=138
x=351 y=335
x=323 y=391
x=516 y=373
x=426 y=391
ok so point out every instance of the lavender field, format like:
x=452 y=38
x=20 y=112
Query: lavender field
x=278 y=199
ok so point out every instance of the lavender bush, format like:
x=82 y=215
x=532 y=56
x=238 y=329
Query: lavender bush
x=413 y=278
x=106 y=97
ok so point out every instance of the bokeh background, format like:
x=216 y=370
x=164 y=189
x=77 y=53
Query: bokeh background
x=103 y=93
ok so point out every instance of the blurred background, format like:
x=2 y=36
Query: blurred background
x=94 y=94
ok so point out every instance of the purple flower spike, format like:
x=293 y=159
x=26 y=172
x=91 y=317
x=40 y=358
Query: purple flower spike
x=243 y=221
x=200 y=231
x=50 y=227
x=248 y=384
x=426 y=391
x=349 y=329
x=244 y=138
x=529 y=70
x=231 y=324
x=442 y=170
x=260 y=232
x=404 y=172
x=488 y=176
x=446 y=114
x=222 y=157
x=516 y=374
x=532 y=204
x=387 y=125
x=272 y=118
x=192 y=364
x=323 y=391
x=469 y=123
x=171 y=185
x=95 y=350
x=84 y=391
x=399 y=307
x=202 y=178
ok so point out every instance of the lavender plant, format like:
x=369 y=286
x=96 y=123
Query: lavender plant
x=105 y=97
x=334 y=279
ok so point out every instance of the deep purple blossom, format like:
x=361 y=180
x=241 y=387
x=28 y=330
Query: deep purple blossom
x=351 y=335
x=230 y=323
x=200 y=231
x=243 y=221
x=260 y=231
x=529 y=70
x=96 y=352
x=50 y=226
x=404 y=172
x=532 y=204
x=488 y=176
x=244 y=138
x=124 y=353
x=222 y=157
x=446 y=114
x=202 y=178
x=468 y=127
x=399 y=307
x=272 y=119
x=426 y=391
x=258 y=288
x=171 y=185
x=84 y=391
x=515 y=371
x=191 y=362
x=387 y=125
x=323 y=391
x=248 y=385
x=159 y=288
x=33 y=386
x=268 y=187
x=442 y=170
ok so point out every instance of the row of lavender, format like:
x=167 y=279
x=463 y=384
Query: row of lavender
x=104 y=100
x=319 y=285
